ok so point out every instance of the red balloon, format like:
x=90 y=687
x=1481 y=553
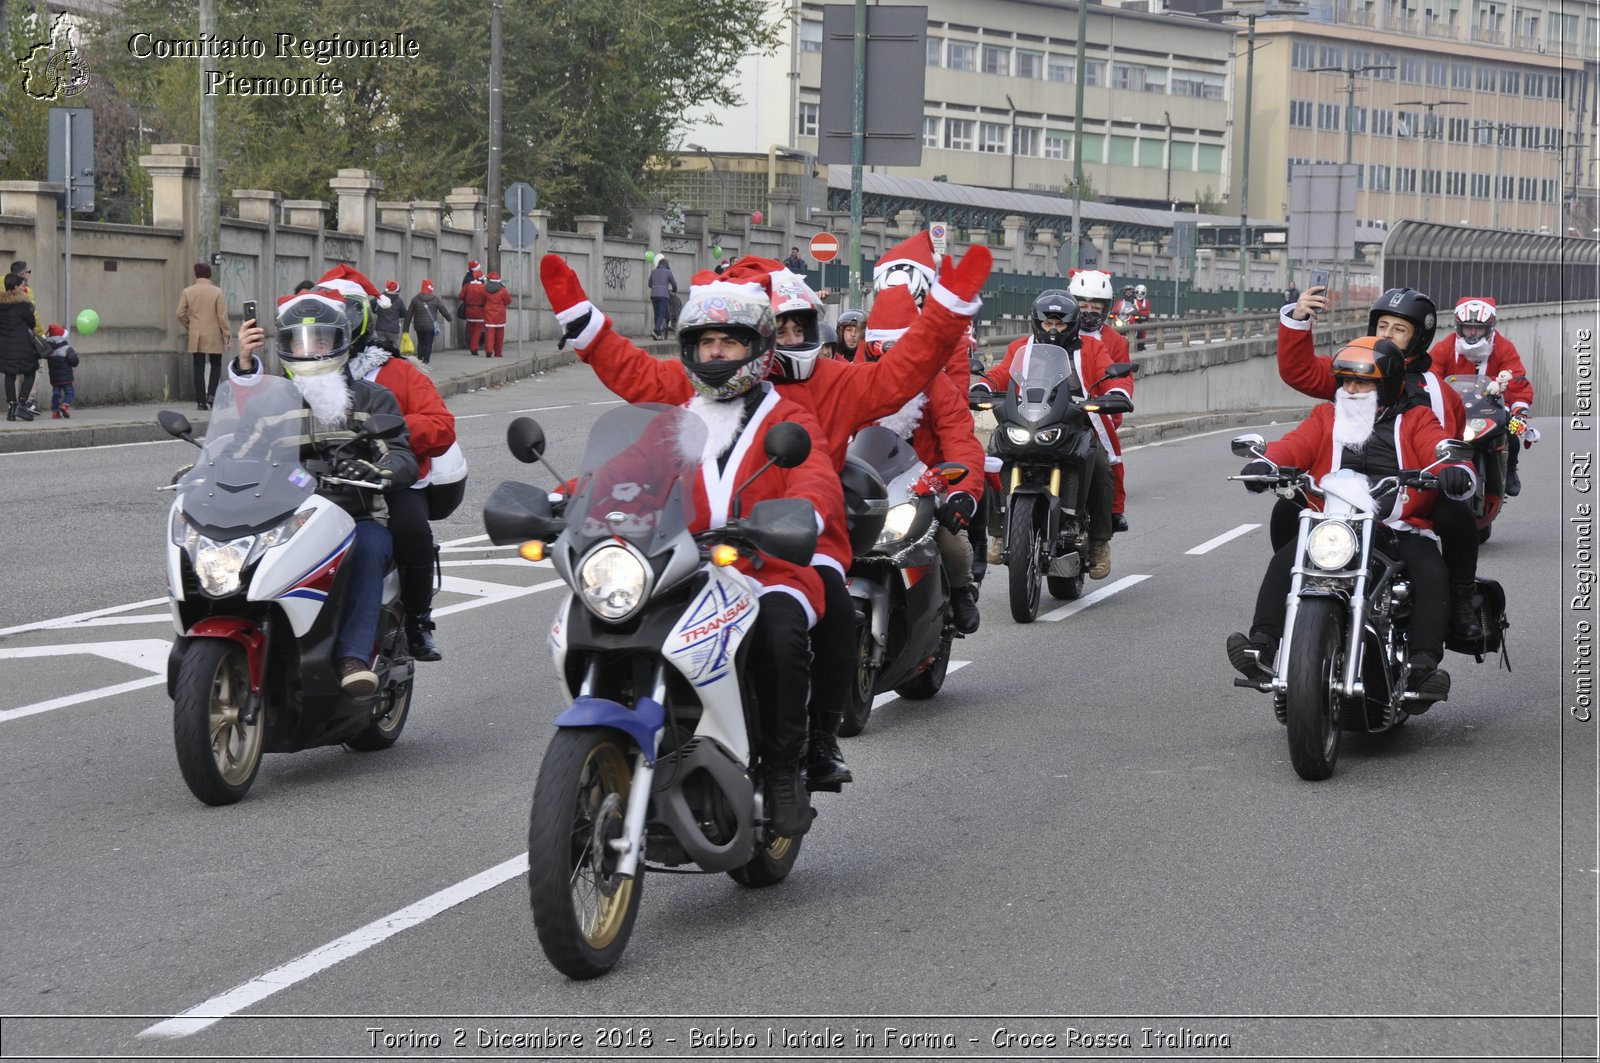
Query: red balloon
x=756 y=216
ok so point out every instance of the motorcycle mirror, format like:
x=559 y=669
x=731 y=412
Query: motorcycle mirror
x=1249 y=445
x=1452 y=450
x=1120 y=369
x=784 y=528
x=384 y=425
x=787 y=444
x=517 y=512
x=525 y=439
x=177 y=425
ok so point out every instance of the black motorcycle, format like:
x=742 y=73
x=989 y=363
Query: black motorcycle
x=904 y=627
x=1045 y=443
x=1487 y=418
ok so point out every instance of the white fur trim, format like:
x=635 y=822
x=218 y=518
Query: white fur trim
x=954 y=303
x=365 y=365
x=903 y=422
x=795 y=593
x=720 y=482
x=992 y=463
x=1288 y=322
x=246 y=380
x=721 y=421
x=573 y=312
x=824 y=561
x=724 y=287
x=591 y=331
x=885 y=335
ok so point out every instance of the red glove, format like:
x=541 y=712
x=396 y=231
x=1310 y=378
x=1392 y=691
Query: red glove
x=965 y=279
x=564 y=290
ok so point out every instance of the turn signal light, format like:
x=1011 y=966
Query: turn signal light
x=532 y=550
x=723 y=555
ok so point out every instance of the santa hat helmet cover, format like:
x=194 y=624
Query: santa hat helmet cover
x=892 y=316
x=356 y=289
x=909 y=263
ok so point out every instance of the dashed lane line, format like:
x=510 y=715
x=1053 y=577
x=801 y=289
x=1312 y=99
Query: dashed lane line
x=1226 y=537
x=1094 y=598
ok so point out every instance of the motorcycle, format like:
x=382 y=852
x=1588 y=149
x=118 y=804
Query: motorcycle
x=1044 y=441
x=904 y=626
x=1343 y=664
x=653 y=757
x=1487 y=418
x=256 y=577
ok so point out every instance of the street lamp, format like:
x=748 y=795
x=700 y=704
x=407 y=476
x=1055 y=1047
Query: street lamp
x=722 y=180
x=1500 y=129
x=1013 y=141
x=1427 y=145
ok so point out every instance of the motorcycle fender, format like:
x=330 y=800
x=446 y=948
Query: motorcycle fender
x=875 y=597
x=558 y=644
x=236 y=629
x=640 y=723
x=1052 y=523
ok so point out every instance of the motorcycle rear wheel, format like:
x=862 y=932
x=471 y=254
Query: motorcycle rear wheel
x=771 y=864
x=1066 y=588
x=858 y=710
x=218 y=753
x=926 y=683
x=385 y=730
x=1313 y=706
x=583 y=912
x=1023 y=546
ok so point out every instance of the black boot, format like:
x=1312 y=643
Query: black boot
x=964 y=601
x=825 y=766
x=1428 y=680
x=1252 y=655
x=416 y=594
x=1513 y=481
x=23 y=413
x=11 y=411
x=788 y=810
x=1463 y=617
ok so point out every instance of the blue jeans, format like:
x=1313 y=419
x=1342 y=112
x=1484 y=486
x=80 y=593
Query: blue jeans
x=61 y=395
x=368 y=560
x=659 y=303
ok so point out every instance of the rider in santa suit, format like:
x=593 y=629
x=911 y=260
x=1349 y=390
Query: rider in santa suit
x=1092 y=289
x=1480 y=349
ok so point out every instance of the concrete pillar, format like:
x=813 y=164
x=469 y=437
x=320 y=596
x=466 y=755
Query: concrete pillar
x=174 y=171
x=783 y=211
x=425 y=215
x=38 y=200
x=256 y=204
x=469 y=210
x=259 y=205
x=307 y=213
x=357 y=192
x=906 y=223
x=977 y=236
x=593 y=228
x=542 y=325
x=395 y=213
x=647 y=226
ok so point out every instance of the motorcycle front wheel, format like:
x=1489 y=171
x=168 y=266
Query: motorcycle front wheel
x=1313 y=706
x=858 y=710
x=1023 y=546
x=218 y=753
x=583 y=911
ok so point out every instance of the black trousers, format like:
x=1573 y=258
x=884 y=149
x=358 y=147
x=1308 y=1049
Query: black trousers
x=779 y=664
x=1424 y=568
x=1452 y=520
x=17 y=394
x=413 y=548
x=201 y=390
x=833 y=652
x=1102 y=487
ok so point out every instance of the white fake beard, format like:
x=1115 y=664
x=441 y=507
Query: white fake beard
x=1476 y=353
x=723 y=421
x=329 y=397
x=1353 y=417
x=903 y=422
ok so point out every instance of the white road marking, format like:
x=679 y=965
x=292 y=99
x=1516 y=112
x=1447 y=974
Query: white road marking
x=471 y=549
x=1202 y=435
x=149 y=654
x=480 y=562
x=454 y=542
x=63 y=621
x=323 y=957
x=78 y=699
x=1090 y=599
x=1226 y=537
x=299 y=969
x=117 y=621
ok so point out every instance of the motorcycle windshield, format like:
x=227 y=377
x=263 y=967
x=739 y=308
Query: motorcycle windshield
x=1038 y=374
x=1472 y=388
x=248 y=474
x=884 y=450
x=638 y=476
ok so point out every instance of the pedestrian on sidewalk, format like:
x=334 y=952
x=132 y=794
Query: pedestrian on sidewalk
x=387 y=310
x=470 y=299
x=19 y=359
x=663 y=285
x=795 y=263
x=496 y=298
x=61 y=361
x=20 y=268
x=425 y=314
x=203 y=311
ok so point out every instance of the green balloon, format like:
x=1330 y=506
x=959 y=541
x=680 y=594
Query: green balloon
x=650 y=258
x=88 y=321
x=716 y=251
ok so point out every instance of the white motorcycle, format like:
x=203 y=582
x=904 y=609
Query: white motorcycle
x=653 y=757
x=256 y=580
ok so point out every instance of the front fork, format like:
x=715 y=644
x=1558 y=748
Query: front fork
x=1350 y=684
x=631 y=844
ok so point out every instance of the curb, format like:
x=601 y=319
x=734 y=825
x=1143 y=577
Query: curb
x=101 y=435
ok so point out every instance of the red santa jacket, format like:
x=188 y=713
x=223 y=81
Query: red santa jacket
x=1503 y=355
x=472 y=298
x=1416 y=432
x=1116 y=352
x=1089 y=361
x=1310 y=373
x=715 y=483
x=494 y=305
x=939 y=426
x=430 y=423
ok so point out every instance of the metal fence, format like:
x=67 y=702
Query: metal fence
x=1451 y=262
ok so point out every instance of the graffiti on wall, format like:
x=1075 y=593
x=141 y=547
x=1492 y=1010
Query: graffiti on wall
x=618 y=271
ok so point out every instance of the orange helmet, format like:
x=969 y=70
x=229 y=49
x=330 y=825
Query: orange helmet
x=1376 y=360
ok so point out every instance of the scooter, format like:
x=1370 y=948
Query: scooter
x=256 y=579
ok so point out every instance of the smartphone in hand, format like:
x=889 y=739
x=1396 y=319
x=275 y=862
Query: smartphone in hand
x=1319 y=278
x=250 y=310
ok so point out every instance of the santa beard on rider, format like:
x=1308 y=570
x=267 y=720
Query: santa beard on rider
x=328 y=395
x=1355 y=410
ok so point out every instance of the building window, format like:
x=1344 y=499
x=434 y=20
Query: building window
x=1182 y=155
x=1533 y=85
x=1510 y=82
x=959 y=55
x=1210 y=160
x=1507 y=186
x=1331 y=55
x=935 y=51
x=1486 y=78
x=930 y=132
x=1460 y=130
x=1547 y=191
x=1056 y=145
x=1461 y=75
x=1383 y=59
x=996 y=60
x=1026 y=141
x=1328 y=116
x=1405 y=179
x=1196 y=84
x=1455 y=183
x=1438 y=70
x=810 y=36
x=1120 y=152
x=992 y=138
x=1563 y=29
x=1303 y=56
x=1059 y=68
x=1430 y=182
x=1358 y=120
x=1480 y=186
x=1094 y=72
x=1411 y=69
x=958 y=133
x=1129 y=76
x=1152 y=154
x=1378 y=178
x=1300 y=114
x=1382 y=123
x=807 y=120
x=1093 y=146
x=1030 y=65
x=1558 y=83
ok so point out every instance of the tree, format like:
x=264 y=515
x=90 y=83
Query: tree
x=1206 y=202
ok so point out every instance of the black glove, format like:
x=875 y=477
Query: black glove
x=362 y=469
x=1454 y=481
x=957 y=511
x=1256 y=468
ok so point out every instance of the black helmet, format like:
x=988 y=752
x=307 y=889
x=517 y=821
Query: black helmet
x=1055 y=303
x=1371 y=359
x=1413 y=306
x=313 y=333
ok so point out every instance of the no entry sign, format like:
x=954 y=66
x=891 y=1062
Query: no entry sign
x=824 y=247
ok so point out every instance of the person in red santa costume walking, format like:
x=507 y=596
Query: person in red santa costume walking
x=472 y=298
x=843 y=396
x=496 y=298
x=1478 y=348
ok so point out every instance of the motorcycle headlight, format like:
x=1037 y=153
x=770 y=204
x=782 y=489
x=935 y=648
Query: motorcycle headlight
x=1020 y=436
x=613 y=582
x=1047 y=437
x=897 y=522
x=1331 y=545
x=217 y=565
x=183 y=533
x=278 y=534
x=1476 y=427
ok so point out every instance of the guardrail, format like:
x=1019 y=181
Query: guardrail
x=1182 y=333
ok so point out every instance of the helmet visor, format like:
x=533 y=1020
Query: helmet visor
x=1357 y=363
x=310 y=342
x=1472 y=331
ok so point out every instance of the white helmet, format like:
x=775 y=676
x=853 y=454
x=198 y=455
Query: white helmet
x=1090 y=284
x=791 y=295
x=1141 y=291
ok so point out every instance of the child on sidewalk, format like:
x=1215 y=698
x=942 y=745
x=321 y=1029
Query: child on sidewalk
x=63 y=359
